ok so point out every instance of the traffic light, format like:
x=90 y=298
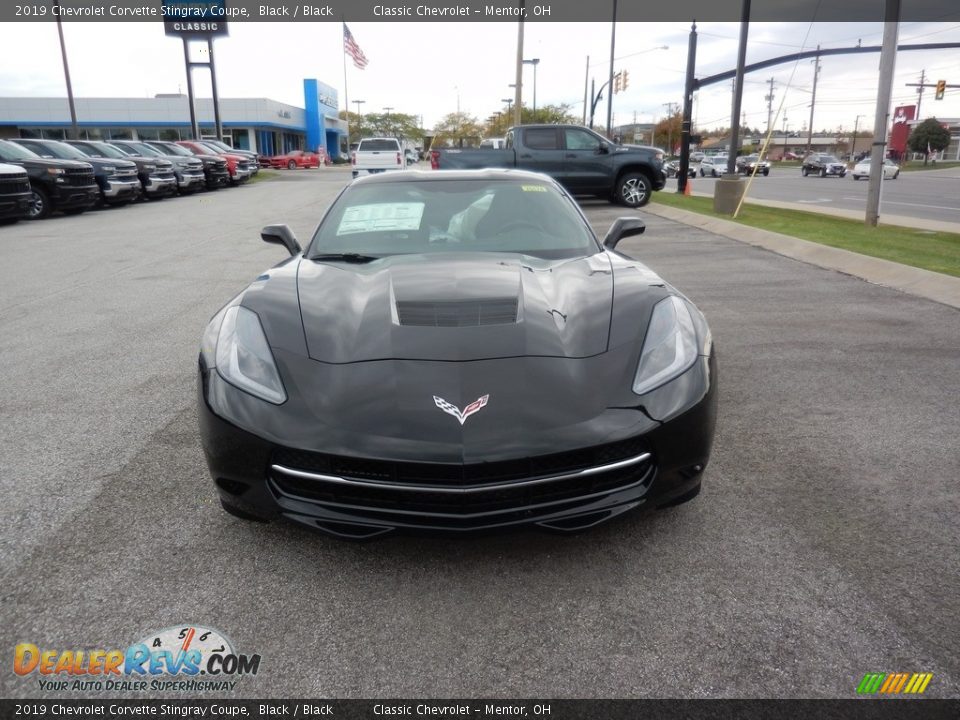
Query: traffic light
x=941 y=89
x=616 y=83
x=623 y=83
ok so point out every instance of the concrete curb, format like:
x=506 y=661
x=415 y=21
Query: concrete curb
x=934 y=286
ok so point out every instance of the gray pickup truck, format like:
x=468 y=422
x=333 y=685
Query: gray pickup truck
x=579 y=159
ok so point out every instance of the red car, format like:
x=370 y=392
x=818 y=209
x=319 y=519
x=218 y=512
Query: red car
x=237 y=165
x=299 y=158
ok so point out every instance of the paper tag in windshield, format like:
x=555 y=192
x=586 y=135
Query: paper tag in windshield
x=382 y=217
x=533 y=188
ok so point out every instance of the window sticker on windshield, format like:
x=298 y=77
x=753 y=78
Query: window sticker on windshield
x=533 y=188
x=381 y=217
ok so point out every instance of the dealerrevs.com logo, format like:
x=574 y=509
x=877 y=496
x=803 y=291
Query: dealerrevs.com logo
x=186 y=658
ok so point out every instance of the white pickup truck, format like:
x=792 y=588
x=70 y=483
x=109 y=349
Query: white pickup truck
x=376 y=155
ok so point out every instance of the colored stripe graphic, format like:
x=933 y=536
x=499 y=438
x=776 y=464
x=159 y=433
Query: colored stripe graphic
x=894 y=683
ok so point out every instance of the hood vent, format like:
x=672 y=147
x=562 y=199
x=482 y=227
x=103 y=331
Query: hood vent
x=461 y=313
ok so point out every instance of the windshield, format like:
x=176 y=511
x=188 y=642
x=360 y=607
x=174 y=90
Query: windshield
x=57 y=150
x=218 y=145
x=828 y=158
x=173 y=149
x=12 y=151
x=143 y=149
x=101 y=149
x=436 y=216
x=209 y=149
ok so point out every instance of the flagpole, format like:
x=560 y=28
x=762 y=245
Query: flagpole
x=346 y=95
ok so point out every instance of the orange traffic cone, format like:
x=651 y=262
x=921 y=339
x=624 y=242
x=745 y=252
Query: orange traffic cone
x=687 y=187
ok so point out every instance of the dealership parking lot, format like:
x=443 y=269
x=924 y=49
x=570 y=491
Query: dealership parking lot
x=823 y=546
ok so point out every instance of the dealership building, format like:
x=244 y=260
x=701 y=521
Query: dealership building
x=259 y=124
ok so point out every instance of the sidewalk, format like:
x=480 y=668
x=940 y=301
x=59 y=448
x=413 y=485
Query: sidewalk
x=934 y=286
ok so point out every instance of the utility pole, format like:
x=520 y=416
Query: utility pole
x=853 y=140
x=686 y=127
x=813 y=100
x=586 y=84
x=738 y=91
x=613 y=42
x=923 y=77
x=888 y=58
x=74 y=132
x=518 y=90
x=769 y=99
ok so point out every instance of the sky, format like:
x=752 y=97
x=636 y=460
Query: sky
x=429 y=69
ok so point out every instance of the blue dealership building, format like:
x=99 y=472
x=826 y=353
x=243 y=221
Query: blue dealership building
x=263 y=125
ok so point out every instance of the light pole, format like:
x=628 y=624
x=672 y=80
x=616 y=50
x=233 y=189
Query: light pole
x=534 y=62
x=509 y=102
x=74 y=134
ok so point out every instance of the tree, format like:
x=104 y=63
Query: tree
x=929 y=134
x=667 y=131
x=457 y=130
x=545 y=115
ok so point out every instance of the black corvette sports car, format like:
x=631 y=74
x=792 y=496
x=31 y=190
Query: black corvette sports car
x=455 y=351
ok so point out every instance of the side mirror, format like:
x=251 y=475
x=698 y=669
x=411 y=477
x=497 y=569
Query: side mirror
x=623 y=228
x=604 y=148
x=281 y=235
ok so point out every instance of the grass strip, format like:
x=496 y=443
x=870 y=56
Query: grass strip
x=936 y=251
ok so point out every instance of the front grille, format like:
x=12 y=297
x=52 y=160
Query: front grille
x=464 y=313
x=481 y=488
x=12 y=184
x=165 y=173
x=127 y=174
x=78 y=177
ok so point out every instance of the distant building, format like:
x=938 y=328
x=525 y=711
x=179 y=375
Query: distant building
x=259 y=124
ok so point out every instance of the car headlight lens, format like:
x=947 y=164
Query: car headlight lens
x=244 y=358
x=670 y=347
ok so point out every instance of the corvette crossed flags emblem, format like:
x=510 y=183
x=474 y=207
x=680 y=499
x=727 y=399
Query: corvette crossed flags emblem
x=459 y=414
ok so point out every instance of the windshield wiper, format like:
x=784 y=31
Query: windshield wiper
x=346 y=257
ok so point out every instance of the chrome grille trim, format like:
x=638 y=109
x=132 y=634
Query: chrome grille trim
x=509 y=484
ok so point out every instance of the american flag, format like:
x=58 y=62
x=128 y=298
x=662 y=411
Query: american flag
x=351 y=48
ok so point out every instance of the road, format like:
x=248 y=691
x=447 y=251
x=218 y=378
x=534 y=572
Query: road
x=928 y=194
x=823 y=546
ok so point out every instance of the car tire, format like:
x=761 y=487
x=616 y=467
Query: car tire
x=766 y=172
x=292 y=165
x=856 y=177
x=634 y=190
x=896 y=175
x=685 y=498
x=701 y=172
x=823 y=172
x=40 y=207
x=804 y=171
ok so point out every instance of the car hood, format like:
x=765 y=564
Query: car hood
x=44 y=163
x=455 y=307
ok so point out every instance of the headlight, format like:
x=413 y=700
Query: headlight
x=108 y=169
x=670 y=347
x=244 y=358
x=149 y=168
x=55 y=171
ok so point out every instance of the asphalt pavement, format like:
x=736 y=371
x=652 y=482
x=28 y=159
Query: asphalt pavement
x=823 y=546
x=932 y=195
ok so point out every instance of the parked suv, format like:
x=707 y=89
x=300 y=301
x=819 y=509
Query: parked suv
x=214 y=167
x=65 y=185
x=823 y=165
x=714 y=166
x=187 y=170
x=748 y=164
x=223 y=147
x=117 y=179
x=155 y=181
x=238 y=165
x=15 y=197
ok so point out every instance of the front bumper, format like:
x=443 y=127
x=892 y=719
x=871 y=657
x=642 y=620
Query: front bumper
x=191 y=180
x=66 y=197
x=15 y=205
x=640 y=463
x=154 y=185
x=114 y=190
x=216 y=178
